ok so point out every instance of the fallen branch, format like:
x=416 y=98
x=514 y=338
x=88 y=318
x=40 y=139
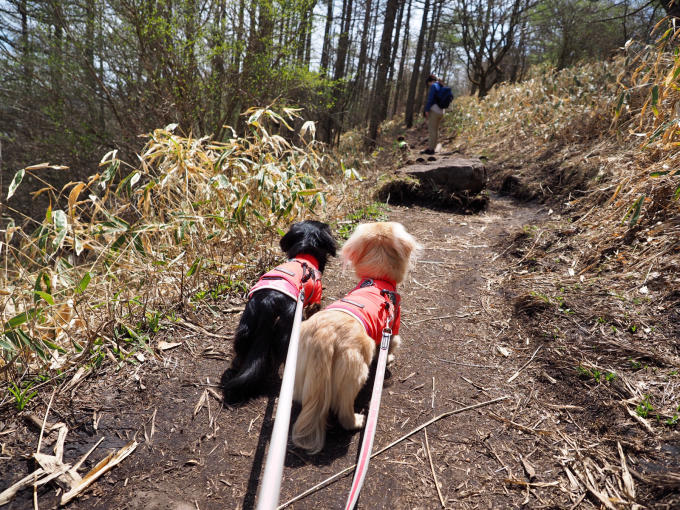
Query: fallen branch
x=434 y=476
x=432 y=319
x=628 y=484
x=349 y=469
x=523 y=428
x=203 y=331
x=44 y=422
x=103 y=467
x=514 y=481
x=53 y=467
x=513 y=376
x=601 y=496
x=466 y=364
x=639 y=419
x=8 y=494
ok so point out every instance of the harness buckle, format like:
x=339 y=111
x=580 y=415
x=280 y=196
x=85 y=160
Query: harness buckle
x=307 y=272
x=366 y=283
x=391 y=295
x=386 y=336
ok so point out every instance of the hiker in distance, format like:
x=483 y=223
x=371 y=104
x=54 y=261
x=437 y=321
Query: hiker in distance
x=438 y=98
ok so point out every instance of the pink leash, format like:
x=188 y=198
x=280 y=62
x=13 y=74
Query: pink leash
x=371 y=422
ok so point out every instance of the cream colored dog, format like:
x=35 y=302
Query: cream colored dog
x=338 y=343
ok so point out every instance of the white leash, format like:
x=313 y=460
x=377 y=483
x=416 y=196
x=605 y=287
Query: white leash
x=371 y=422
x=270 y=488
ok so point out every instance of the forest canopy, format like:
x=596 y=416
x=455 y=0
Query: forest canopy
x=81 y=77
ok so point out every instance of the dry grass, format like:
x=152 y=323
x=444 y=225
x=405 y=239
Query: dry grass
x=115 y=257
x=598 y=282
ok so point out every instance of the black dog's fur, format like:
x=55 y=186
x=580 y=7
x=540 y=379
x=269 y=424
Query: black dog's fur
x=262 y=336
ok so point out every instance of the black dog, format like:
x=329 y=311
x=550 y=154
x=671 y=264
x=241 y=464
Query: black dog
x=262 y=336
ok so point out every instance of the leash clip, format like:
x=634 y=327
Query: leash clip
x=392 y=296
x=307 y=272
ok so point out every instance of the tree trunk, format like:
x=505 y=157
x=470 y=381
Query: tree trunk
x=404 y=49
x=363 y=50
x=25 y=45
x=308 y=41
x=429 y=48
x=393 y=58
x=379 y=109
x=333 y=126
x=343 y=40
x=371 y=67
x=218 y=69
x=56 y=61
x=415 y=73
x=326 y=50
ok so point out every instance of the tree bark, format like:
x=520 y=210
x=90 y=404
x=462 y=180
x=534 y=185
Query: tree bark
x=395 y=49
x=429 y=48
x=415 y=73
x=343 y=40
x=25 y=45
x=404 y=49
x=379 y=110
x=326 y=50
x=363 y=49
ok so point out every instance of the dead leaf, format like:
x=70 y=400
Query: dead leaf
x=164 y=346
x=504 y=351
x=103 y=467
x=528 y=468
x=201 y=402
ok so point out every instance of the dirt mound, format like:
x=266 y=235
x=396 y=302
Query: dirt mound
x=405 y=190
x=451 y=174
x=449 y=183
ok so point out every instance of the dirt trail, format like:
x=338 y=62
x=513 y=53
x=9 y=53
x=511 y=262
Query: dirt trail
x=454 y=319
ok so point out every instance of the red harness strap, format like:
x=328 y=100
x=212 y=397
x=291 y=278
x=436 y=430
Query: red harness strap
x=290 y=277
x=367 y=304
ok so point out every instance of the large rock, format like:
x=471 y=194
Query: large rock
x=450 y=174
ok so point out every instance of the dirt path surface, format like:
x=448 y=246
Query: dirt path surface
x=458 y=349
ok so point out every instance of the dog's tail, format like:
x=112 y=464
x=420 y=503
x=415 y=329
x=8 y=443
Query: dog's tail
x=312 y=388
x=253 y=348
x=253 y=371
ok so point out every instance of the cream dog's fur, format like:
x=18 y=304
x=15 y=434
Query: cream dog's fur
x=335 y=352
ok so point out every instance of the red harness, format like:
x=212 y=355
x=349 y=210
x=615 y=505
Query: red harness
x=373 y=303
x=289 y=277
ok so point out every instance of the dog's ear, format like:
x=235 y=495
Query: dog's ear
x=405 y=244
x=356 y=246
x=291 y=237
x=327 y=241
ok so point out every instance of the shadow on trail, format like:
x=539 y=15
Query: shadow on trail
x=409 y=193
x=338 y=440
x=258 y=459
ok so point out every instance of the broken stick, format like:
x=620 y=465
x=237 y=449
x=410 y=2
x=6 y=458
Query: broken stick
x=349 y=469
x=103 y=467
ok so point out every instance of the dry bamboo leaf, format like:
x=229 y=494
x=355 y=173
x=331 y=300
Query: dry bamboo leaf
x=39 y=166
x=73 y=196
x=201 y=402
x=514 y=481
x=101 y=468
x=590 y=485
x=572 y=479
x=528 y=468
x=639 y=419
x=8 y=494
x=164 y=346
x=214 y=394
x=503 y=350
x=75 y=379
x=628 y=484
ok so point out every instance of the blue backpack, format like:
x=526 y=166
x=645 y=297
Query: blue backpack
x=444 y=97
